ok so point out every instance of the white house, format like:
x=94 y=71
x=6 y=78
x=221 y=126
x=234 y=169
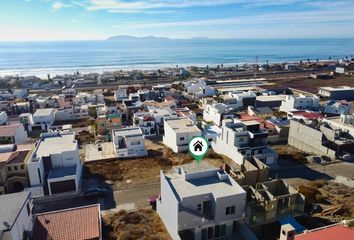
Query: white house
x=69 y=92
x=13 y=134
x=146 y=122
x=200 y=202
x=120 y=94
x=302 y=102
x=55 y=164
x=129 y=142
x=43 y=118
x=178 y=133
x=186 y=113
x=210 y=132
x=84 y=98
x=198 y=88
x=72 y=113
x=216 y=112
x=3 y=118
x=15 y=216
x=239 y=140
x=239 y=99
x=333 y=107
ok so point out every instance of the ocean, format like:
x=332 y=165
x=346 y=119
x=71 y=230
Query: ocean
x=40 y=58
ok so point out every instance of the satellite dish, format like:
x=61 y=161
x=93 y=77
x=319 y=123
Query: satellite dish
x=6 y=224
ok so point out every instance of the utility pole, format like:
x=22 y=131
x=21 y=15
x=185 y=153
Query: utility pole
x=256 y=68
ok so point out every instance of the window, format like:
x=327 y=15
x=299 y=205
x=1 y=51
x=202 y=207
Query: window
x=181 y=138
x=22 y=166
x=204 y=234
x=223 y=230
x=15 y=168
x=39 y=175
x=241 y=139
x=28 y=209
x=217 y=231
x=230 y=210
x=210 y=232
x=9 y=169
x=199 y=207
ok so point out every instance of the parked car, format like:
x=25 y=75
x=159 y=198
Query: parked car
x=152 y=200
x=99 y=192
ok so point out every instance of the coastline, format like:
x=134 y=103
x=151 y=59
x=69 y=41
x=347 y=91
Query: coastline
x=42 y=72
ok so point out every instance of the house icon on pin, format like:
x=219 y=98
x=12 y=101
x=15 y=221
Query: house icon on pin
x=198 y=146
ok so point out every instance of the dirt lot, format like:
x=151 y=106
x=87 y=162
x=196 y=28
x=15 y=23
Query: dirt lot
x=140 y=224
x=312 y=85
x=288 y=152
x=135 y=172
x=336 y=201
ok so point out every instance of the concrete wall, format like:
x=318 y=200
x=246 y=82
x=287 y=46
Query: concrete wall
x=307 y=139
x=167 y=208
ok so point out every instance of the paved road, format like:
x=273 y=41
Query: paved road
x=316 y=171
x=136 y=196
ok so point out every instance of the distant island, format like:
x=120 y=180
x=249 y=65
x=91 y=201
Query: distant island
x=150 y=38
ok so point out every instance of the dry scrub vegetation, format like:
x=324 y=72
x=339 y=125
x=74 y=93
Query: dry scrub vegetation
x=142 y=224
x=336 y=200
x=130 y=172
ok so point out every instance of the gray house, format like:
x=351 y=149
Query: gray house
x=200 y=202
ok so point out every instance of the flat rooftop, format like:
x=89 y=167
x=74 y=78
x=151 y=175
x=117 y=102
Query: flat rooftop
x=97 y=152
x=341 y=88
x=11 y=205
x=182 y=125
x=271 y=98
x=55 y=143
x=128 y=132
x=205 y=184
x=43 y=112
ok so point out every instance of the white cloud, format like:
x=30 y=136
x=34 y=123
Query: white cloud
x=120 y=6
x=59 y=5
x=309 y=17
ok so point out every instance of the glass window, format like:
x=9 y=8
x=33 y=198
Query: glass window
x=28 y=209
x=217 y=231
x=199 y=207
x=210 y=232
x=204 y=234
x=223 y=230
x=22 y=166
x=15 y=168
x=9 y=169
x=181 y=138
x=227 y=210
x=232 y=211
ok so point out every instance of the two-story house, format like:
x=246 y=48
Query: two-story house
x=146 y=122
x=15 y=216
x=13 y=134
x=55 y=165
x=239 y=140
x=200 y=202
x=216 y=112
x=129 y=142
x=13 y=170
x=301 y=102
x=43 y=118
x=178 y=133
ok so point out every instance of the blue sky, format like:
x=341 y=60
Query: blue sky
x=99 y=19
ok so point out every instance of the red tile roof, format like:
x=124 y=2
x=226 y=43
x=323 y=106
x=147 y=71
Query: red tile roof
x=331 y=233
x=308 y=115
x=70 y=224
